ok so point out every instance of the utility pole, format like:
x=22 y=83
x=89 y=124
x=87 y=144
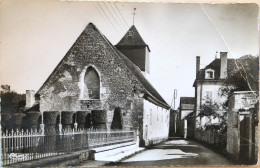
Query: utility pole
x=174 y=98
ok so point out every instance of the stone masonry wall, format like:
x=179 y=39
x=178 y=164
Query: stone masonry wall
x=63 y=89
x=239 y=102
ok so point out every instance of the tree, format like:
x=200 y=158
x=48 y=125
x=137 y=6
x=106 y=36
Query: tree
x=12 y=102
x=242 y=76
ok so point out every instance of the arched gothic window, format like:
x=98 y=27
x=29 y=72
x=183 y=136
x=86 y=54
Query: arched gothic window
x=91 y=84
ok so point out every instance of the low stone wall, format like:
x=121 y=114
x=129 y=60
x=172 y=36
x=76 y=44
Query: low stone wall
x=155 y=141
x=206 y=136
x=212 y=137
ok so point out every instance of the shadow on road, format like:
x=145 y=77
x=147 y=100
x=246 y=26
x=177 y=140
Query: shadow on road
x=176 y=152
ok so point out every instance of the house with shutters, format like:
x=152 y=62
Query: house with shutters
x=208 y=83
x=238 y=108
x=103 y=86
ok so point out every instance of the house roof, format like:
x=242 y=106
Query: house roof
x=187 y=103
x=247 y=65
x=187 y=100
x=150 y=90
x=215 y=65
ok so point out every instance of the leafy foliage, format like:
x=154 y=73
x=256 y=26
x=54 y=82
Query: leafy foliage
x=50 y=117
x=211 y=109
x=243 y=77
x=12 y=102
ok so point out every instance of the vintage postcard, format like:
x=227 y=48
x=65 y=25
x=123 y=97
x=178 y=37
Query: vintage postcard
x=93 y=84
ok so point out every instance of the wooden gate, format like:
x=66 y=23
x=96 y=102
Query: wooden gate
x=245 y=137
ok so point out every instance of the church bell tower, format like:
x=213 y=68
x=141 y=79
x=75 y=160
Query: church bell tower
x=135 y=49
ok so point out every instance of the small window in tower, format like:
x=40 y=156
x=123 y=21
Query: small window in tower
x=209 y=74
x=130 y=33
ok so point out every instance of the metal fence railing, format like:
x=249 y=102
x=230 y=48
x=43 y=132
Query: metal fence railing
x=20 y=146
x=99 y=138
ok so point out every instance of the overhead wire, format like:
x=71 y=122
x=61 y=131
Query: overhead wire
x=121 y=15
x=229 y=49
x=113 y=17
x=118 y=33
x=118 y=16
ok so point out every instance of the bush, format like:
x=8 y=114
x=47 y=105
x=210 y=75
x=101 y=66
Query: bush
x=81 y=116
x=50 y=117
x=33 y=117
x=31 y=120
x=66 y=117
x=4 y=118
x=17 y=118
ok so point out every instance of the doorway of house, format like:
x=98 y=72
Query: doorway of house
x=117 y=119
x=245 y=139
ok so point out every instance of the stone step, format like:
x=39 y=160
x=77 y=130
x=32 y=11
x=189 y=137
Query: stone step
x=111 y=150
x=114 y=152
x=120 y=155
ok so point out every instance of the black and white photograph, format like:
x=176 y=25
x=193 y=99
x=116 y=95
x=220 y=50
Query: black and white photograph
x=128 y=84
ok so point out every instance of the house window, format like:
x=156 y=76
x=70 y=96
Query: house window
x=209 y=97
x=157 y=114
x=166 y=118
x=209 y=74
x=162 y=115
x=91 y=84
x=151 y=117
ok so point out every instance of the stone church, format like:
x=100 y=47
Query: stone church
x=107 y=85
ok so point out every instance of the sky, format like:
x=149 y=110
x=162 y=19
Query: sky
x=35 y=36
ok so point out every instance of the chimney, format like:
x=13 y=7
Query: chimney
x=223 y=65
x=197 y=65
x=30 y=98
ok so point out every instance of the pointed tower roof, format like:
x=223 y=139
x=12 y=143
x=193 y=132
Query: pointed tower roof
x=132 y=38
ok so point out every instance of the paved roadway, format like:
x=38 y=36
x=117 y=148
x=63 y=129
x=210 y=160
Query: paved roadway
x=176 y=152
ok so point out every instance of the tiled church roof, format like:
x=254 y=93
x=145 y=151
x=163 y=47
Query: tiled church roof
x=151 y=91
x=133 y=47
x=132 y=37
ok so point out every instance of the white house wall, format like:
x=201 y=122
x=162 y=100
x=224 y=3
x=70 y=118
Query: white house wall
x=214 y=88
x=156 y=123
x=202 y=89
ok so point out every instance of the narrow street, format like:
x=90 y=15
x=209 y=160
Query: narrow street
x=176 y=152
